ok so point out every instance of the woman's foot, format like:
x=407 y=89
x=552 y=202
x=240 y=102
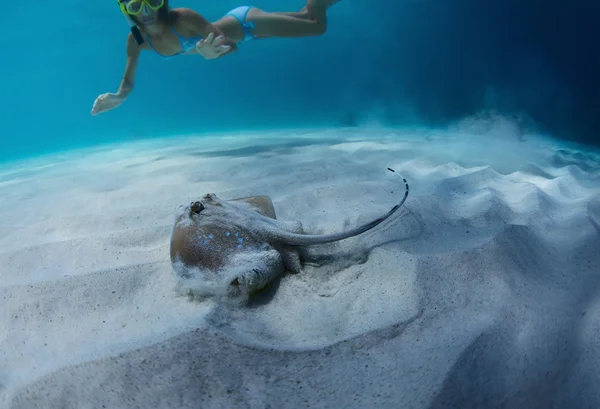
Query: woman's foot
x=322 y=3
x=317 y=8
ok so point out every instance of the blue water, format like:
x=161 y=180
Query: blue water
x=397 y=61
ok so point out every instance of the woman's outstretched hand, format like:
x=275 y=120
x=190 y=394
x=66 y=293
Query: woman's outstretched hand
x=212 y=47
x=106 y=102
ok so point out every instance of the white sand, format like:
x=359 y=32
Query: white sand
x=483 y=292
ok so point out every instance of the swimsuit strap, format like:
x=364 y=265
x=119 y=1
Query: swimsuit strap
x=176 y=33
x=187 y=43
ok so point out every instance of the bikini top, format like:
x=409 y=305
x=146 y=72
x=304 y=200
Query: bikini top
x=187 y=44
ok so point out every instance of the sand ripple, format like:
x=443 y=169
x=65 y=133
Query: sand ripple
x=483 y=292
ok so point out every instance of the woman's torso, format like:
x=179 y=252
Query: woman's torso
x=181 y=39
x=176 y=39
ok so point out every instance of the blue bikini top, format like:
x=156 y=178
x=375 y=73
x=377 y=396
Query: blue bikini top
x=187 y=44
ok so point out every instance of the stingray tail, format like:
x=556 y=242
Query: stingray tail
x=307 y=239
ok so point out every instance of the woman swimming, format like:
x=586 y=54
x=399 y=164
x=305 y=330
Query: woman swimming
x=171 y=32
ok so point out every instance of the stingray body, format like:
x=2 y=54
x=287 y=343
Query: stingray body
x=241 y=241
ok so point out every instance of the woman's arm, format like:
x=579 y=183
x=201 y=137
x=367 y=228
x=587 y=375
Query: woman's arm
x=108 y=101
x=133 y=50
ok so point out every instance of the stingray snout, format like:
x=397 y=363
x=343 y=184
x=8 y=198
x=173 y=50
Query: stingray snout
x=250 y=283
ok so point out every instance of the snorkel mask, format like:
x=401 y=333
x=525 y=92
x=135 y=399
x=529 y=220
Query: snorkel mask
x=135 y=7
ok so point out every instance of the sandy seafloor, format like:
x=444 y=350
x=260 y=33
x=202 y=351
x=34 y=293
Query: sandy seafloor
x=483 y=292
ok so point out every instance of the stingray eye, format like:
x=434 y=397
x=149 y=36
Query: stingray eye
x=196 y=207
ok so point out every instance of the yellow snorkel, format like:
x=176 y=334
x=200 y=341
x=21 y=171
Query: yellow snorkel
x=132 y=26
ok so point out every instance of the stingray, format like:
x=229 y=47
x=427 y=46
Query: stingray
x=242 y=243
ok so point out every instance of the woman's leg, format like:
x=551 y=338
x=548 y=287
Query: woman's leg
x=303 y=14
x=310 y=21
x=283 y=25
